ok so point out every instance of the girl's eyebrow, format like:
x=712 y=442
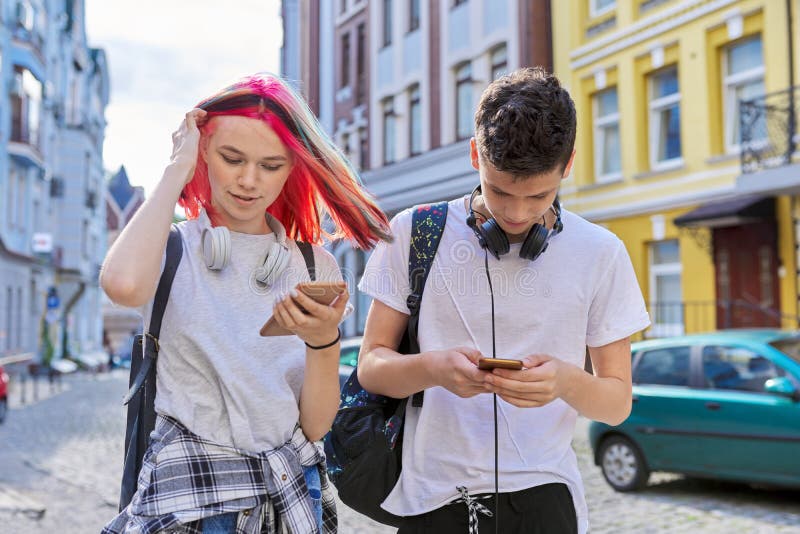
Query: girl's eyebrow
x=240 y=153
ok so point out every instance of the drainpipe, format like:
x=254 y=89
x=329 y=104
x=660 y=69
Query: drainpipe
x=790 y=147
x=790 y=39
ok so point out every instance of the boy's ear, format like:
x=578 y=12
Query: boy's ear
x=568 y=168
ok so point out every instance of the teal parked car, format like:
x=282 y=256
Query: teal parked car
x=724 y=405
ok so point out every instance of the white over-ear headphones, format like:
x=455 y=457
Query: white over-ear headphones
x=217 y=250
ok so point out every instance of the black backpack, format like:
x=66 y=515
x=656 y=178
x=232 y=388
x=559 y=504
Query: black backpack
x=364 y=447
x=142 y=383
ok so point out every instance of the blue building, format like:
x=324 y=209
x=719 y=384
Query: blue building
x=54 y=90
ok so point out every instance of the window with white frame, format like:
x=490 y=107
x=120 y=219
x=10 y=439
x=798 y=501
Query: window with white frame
x=363 y=150
x=499 y=61
x=361 y=76
x=414 y=121
x=344 y=75
x=413 y=15
x=600 y=7
x=388 y=131
x=387 y=22
x=666 y=301
x=464 y=112
x=665 y=119
x=26 y=101
x=743 y=66
x=608 y=158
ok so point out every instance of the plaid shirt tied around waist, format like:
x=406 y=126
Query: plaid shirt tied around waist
x=185 y=478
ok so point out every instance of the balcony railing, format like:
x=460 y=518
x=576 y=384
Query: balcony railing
x=769 y=129
x=677 y=318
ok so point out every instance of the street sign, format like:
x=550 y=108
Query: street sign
x=53 y=301
x=42 y=243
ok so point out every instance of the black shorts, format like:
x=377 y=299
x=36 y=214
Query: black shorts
x=545 y=509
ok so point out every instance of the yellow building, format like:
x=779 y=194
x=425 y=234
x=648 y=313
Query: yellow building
x=686 y=149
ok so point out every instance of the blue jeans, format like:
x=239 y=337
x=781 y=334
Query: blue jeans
x=220 y=524
x=314 y=484
x=226 y=523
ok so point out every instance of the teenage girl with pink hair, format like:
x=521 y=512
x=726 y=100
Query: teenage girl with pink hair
x=238 y=414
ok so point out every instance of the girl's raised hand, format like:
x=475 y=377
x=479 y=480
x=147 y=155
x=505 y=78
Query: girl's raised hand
x=186 y=141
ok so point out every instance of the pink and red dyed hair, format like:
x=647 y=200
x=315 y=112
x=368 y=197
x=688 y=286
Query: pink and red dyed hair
x=321 y=181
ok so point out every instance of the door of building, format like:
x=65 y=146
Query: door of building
x=746 y=266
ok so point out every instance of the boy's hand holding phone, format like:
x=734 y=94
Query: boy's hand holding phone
x=537 y=384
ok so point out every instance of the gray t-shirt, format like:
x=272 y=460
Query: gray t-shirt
x=216 y=374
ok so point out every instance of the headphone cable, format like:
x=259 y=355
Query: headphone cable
x=494 y=397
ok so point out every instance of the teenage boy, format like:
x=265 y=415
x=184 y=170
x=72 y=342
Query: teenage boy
x=543 y=307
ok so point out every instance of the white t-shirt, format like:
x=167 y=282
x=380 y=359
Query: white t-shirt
x=215 y=373
x=581 y=291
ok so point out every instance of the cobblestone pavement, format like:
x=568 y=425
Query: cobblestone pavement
x=61 y=457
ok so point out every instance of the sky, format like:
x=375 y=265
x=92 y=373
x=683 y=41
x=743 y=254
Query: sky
x=166 y=55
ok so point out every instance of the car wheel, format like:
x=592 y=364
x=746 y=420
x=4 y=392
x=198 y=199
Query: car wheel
x=3 y=409
x=623 y=465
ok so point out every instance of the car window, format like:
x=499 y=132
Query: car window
x=790 y=347
x=666 y=367
x=737 y=368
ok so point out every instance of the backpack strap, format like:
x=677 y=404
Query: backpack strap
x=308 y=254
x=150 y=340
x=427 y=227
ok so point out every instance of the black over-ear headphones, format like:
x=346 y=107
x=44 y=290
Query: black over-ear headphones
x=492 y=238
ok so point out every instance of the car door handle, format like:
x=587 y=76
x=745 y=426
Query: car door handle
x=713 y=405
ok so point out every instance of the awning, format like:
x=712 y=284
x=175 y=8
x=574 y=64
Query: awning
x=741 y=210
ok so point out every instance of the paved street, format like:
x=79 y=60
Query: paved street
x=60 y=460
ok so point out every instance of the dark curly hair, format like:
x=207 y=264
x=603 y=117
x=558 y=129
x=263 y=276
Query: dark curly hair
x=525 y=123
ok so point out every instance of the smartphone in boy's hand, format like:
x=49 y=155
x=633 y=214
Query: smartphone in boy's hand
x=487 y=364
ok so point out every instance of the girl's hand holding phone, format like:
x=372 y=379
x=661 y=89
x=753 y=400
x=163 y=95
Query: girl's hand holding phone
x=311 y=311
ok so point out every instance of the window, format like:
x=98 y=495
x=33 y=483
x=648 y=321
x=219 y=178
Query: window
x=363 y=149
x=25 y=15
x=599 y=7
x=464 y=111
x=388 y=131
x=499 y=62
x=413 y=15
x=743 y=66
x=342 y=7
x=26 y=99
x=665 y=119
x=361 y=76
x=608 y=160
x=666 y=304
x=665 y=367
x=737 y=368
x=459 y=2
x=85 y=239
x=344 y=75
x=346 y=145
x=414 y=121
x=9 y=309
x=387 y=22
